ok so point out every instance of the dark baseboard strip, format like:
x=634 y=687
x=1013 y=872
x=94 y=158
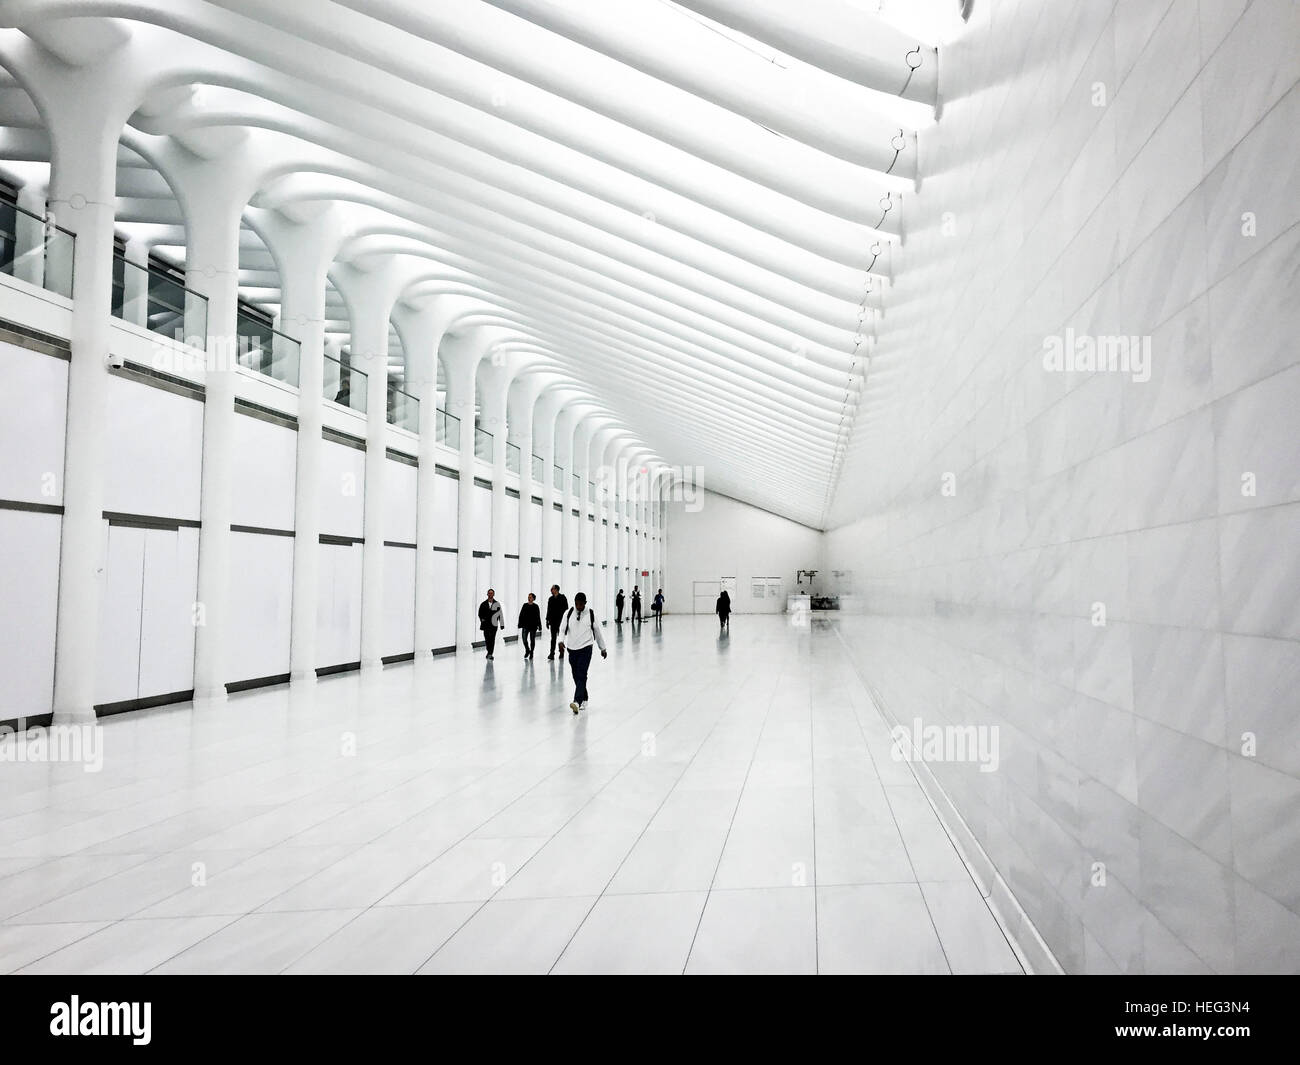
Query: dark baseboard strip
x=445 y=650
x=34 y=508
x=126 y=705
x=160 y=379
x=402 y=457
x=340 y=541
x=148 y=521
x=447 y=471
x=346 y=667
x=22 y=724
x=258 y=531
x=408 y=656
x=256 y=682
x=448 y=550
x=398 y=543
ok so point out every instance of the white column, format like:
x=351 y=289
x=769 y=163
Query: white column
x=29 y=235
x=304 y=253
x=521 y=429
x=212 y=269
x=564 y=426
x=460 y=361
x=494 y=382
x=135 y=284
x=83 y=140
x=544 y=432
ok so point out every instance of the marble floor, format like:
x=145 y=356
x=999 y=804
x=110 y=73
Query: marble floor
x=723 y=806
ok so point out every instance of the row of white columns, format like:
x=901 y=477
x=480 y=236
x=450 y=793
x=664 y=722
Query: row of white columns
x=214 y=195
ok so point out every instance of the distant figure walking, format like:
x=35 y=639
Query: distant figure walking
x=490 y=618
x=580 y=632
x=723 y=610
x=636 y=603
x=530 y=624
x=618 y=607
x=555 y=608
x=657 y=605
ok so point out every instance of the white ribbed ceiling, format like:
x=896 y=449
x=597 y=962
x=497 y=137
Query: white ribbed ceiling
x=686 y=208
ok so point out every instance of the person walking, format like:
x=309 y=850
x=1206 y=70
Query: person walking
x=530 y=624
x=723 y=610
x=556 y=605
x=618 y=606
x=657 y=605
x=490 y=618
x=636 y=603
x=580 y=632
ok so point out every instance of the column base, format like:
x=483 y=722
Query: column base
x=74 y=716
x=303 y=677
x=423 y=656
x=371 y=665
x=210 y=697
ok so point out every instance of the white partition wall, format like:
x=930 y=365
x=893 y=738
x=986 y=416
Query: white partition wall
x=156 y=451
x=338 y=617
x=512 y=525
x=261 y=591
x=400 y=489
x=148 y=614
x=262 y=488
x=481 y=497
x=342 y=489
x=29 y=582
x=446 y=487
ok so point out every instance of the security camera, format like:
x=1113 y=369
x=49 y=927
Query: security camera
x=116 y=360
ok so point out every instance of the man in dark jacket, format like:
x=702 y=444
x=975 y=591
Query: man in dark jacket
x=636 y=603
x=618 y=607
x=530 y=624
x=555 y=609
x=490 y=618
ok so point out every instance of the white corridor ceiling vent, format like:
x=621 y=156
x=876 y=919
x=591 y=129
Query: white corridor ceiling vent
x=684 y=210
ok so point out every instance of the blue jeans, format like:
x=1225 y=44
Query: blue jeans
x=580 y=662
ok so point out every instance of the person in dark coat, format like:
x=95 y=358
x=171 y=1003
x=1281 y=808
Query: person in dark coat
x=530 y=624
x=556 y=606
x=618 y=607
x=723 y=610
x=657 y=605
x=636 y=603
x=490 y=618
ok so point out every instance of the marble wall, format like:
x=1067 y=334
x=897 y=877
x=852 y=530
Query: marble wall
x=1103 y=565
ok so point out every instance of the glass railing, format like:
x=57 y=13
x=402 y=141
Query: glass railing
x=539 y=469
x=483 y=444
x=159 y=303
x=267 y=351
x=345 y=385
x=512 y=457
x=35 y=250
x=403 y=410
x=447 y=428
x=557 y=479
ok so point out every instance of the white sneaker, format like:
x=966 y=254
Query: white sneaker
x=574 y=707
x=582 y=706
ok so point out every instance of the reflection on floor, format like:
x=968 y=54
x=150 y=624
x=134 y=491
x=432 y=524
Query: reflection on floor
x=726 y=804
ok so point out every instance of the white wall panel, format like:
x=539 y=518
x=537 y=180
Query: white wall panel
x=264 y=474
x=399 y=600
x=510 y=601
x=29 y=584
x=399 y=502
x=261 y=592
x=342 y=489
x=482 y=515
x=155 y=451
x=553 y=519
x=33 y=403
x=446 y=495
x=444 y=598
x=117 y=677
x=338 y=615
x=170 y=586
x=535 y=528
x=588 y=550
x=512 y=525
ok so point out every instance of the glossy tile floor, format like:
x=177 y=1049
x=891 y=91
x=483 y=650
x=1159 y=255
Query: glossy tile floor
x=723 y=806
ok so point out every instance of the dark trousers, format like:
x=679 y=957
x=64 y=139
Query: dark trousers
x=722 y=621
x=529 y=638
x=619 y=618
x=580 y=662
x=555 y=631
x=490 y=636
x=636 y=609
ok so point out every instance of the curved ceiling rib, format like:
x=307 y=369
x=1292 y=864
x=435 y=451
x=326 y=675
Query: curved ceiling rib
x=678 y=214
